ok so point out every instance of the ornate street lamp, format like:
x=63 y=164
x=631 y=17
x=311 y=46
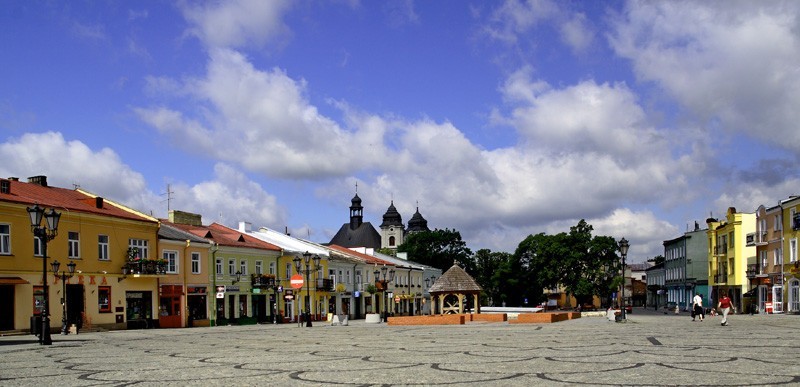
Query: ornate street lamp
x=307 y=259
x=65 y=275
x=382 y=281
x=45 y=234
x=623 y=250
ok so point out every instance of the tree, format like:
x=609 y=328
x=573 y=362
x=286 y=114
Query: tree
x=487 y=264
x=439 y=249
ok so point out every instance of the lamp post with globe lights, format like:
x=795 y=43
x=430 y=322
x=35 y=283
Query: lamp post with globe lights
x=44 y=233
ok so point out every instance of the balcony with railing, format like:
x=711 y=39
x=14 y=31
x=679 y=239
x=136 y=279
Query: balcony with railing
x=134 y=264
x=262 y=280
x=752 y=270
x=325 y=284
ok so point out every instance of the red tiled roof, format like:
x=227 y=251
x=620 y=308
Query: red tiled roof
x=72 y=200
x=224 y=236
x=367 y=258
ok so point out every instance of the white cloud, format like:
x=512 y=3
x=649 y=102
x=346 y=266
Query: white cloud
x=101 y=172
x=576 y=33
x=33 y=154
x=233 y=24
x=733 y=64
x=229 y=198
x=263 y=121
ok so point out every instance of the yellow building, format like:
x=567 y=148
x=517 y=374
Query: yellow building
x=791 y=264
x=235 y=272
x=728 y=255
x=93 y=233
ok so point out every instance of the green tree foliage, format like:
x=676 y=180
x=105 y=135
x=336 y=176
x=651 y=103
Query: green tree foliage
x=487 y=265
x=438 y=248
x=585 y=266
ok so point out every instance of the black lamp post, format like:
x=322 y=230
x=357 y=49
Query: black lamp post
x=238 y=278
x=45 y=234
x=55 y=265
x=623 y=249
x=297 y=264
x=382 y=281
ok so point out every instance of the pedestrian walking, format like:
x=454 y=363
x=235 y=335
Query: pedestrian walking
x=697 y=307
x=725 y=305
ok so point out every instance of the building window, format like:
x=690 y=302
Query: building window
x=391 y=241
x=195 y=263
x=231 y=266
x=37 y=247
x=793 y=250
x=288 y=270
x=74 y=245
x=172 y=260
x=779 y=256
x=5 y=239
x=141 y=244
x=259 y=264
x=242 y=267
x=332 y=275
x=102 y=247
x=104 y=299
x=219 y=266
x=272 y=268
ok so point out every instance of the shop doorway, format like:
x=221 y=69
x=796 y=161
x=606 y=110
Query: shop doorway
x=139 y=310
x=75 y=305
x=260 y=308
x=6 y=307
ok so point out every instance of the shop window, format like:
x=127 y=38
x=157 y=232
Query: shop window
x=38 y=300
x=104 y=299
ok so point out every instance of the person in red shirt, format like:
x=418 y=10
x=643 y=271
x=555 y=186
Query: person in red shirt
x=725 y=305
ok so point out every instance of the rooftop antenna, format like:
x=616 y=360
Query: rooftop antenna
x=169 y=197
x=75 y=186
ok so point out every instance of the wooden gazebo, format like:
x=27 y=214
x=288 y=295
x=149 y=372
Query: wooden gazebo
x=451 y=289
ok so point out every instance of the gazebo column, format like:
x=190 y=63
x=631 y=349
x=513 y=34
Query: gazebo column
x=477 y=304
x=460 y=303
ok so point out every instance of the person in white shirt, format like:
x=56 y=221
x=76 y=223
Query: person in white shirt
x=697 y=307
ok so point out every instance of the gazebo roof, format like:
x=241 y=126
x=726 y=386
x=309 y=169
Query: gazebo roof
x=455 y=280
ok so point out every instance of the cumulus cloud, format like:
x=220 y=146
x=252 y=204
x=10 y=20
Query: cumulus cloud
x=732 y=64
x=263 y=121
x=32 y=154
x=232 y=24
x=228 y=197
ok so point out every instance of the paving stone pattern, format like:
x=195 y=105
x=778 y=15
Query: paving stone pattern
x=650 y=349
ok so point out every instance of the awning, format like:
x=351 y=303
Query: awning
x=12 y=281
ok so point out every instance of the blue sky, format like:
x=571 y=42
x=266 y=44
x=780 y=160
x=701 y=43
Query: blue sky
x=498 y=119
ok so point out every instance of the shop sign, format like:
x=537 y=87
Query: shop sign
x=220 y=295
x=134 y=295
x=220 y=288
x=232 y=288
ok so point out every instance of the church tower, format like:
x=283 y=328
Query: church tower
x=392 y=229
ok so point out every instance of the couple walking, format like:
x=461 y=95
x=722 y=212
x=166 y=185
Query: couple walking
x=725 y=305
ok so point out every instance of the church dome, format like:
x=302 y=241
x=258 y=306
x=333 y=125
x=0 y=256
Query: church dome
x=417 y=223
x=392 y=217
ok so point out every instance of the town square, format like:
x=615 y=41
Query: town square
x=651 y=348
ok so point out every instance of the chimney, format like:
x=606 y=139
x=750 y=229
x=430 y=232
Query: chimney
x=38 y=180
x=245 y=227
x=98 y=202
x=5 y=186
x=13 y=178
x=182 y=217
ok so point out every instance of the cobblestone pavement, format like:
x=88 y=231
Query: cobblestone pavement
x=650 y=349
